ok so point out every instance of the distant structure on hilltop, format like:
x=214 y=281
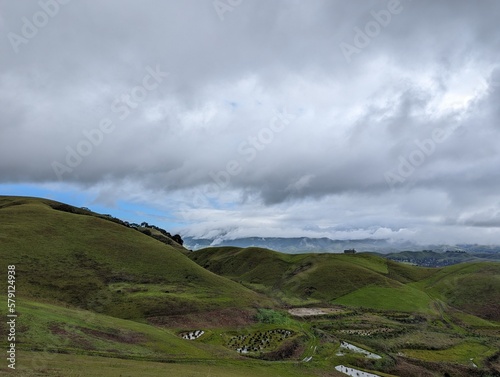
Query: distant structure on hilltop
x=350 y=251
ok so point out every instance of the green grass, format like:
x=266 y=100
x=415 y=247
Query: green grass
x=403 y=298
x=407 y=274
x=474 y=321
x=88 y=287
x=358 y=280
x=272 y=317
x=80 y=260
x=302 y=278
x=461 y=353
x=49 y=327
x=60 y=365
x=471 y=287
x=425 y=339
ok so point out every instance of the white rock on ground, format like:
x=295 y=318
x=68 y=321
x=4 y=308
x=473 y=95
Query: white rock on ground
x=193 y=335
x=353 y=348
x=354 y=372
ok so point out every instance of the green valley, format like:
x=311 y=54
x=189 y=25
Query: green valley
x=95 y=297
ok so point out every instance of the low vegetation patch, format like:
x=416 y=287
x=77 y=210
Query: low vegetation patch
x=465 y=353
x=272 y=317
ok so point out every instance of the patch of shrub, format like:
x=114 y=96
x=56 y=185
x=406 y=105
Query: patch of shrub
x=177 y=238
x=285 y=351
x=272 y=317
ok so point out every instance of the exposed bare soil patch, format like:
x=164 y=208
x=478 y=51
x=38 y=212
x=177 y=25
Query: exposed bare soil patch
x=308 y=312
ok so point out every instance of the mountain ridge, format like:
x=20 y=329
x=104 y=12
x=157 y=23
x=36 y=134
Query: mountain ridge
x=293 y=245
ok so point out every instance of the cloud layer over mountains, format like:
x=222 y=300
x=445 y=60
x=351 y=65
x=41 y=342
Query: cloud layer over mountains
x=279 y=118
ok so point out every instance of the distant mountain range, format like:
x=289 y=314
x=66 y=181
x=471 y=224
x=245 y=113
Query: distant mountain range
x=429 y=258
x=327 y=245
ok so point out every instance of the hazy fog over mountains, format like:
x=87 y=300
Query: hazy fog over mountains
x=348 y=120
x=327 y=245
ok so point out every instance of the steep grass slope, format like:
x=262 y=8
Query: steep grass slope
x=95 y=264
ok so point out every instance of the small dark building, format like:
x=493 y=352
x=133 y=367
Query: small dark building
x=350 y=251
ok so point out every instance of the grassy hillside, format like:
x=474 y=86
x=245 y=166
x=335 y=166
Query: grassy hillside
x=52 y=328
x=64 y=365
x=327 y=278
x=59 y=341
x=359 y=280
x=403 y=298
x=472 y=287
x=96 y=297
x=92 y=263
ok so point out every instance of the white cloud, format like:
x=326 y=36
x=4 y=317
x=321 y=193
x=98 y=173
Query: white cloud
x=323 y=174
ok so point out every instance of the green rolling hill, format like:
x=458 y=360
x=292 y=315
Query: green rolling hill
x=92 y=263
x=98 y=297
x=326 y=278
x=471 y=287
x=362 y=280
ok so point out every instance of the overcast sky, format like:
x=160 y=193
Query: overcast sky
x=345 y=119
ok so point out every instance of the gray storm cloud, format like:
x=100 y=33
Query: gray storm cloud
x=373 y=109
